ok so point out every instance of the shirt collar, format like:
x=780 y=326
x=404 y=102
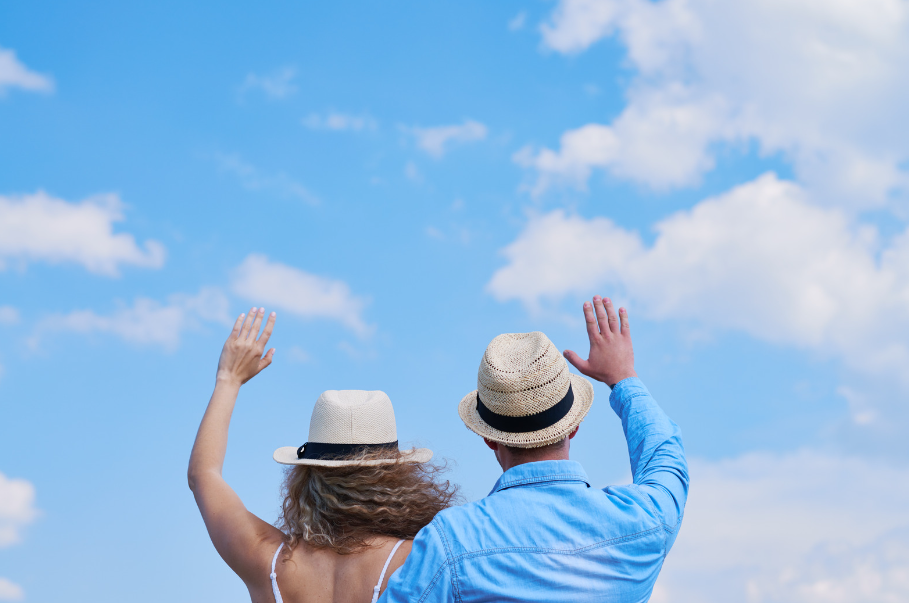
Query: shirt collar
x=529 y=474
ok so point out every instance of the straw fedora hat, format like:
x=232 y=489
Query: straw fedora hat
x=525 y=396
x=345 y=422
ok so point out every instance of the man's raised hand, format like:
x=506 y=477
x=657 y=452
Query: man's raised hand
x=611 y=357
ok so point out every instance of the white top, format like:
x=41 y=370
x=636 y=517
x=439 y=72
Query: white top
x=375 y=591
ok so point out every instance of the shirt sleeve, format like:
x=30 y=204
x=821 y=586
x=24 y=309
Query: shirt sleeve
x=426 y=575
x=658 y=464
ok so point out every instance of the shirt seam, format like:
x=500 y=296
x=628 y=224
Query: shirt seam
x=632 y=396
x=553 y=477
x=624 y=399
x=673 y=529
x=433 y=582
x=449 y=559
x=649 y=502
x=666 y=527
x=528 y=549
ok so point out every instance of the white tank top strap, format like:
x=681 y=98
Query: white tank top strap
x=274 y=576
x=375 y=591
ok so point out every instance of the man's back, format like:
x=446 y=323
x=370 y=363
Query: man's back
x=544 y=534
x=564 y=540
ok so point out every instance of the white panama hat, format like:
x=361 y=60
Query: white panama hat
x=525 y=396
x=348 y=421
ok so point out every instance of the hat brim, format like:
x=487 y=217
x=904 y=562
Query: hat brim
x=287 y=455
x=583 y=398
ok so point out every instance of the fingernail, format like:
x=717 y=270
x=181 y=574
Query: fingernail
x=262 y=310
x=586 y=304
x=252 y=310
x=273 y=314
x=607 y=300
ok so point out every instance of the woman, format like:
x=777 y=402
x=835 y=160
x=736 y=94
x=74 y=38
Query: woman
x=352 y=501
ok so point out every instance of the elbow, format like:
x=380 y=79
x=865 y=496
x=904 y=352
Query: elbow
x=192 y=477
x=197 y=477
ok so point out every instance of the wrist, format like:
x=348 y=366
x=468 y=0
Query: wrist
x=227 y=380
x=616 y=379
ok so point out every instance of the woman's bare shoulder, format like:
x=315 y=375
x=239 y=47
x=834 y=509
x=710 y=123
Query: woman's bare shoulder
x=310 y=573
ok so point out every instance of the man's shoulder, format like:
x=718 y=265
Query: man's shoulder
x=521 y=514
x=462 y=520
x=459 y=514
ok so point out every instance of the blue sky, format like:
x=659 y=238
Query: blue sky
x=403 y=184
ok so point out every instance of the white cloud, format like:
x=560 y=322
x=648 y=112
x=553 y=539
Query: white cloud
x=277 y=84
x=576 y=24
x=252 y=178
x=8 y=315
x=38 y=227
x=801 y=527
x=17 y=509
x=147 y=321
x=308 y=295
x=661 y=143
x=10 y=591
x=14 y=74
x=517 y=22
x=435 y=140
x=434 y=233
x=842 y=574
x=412 y=172
x=299 y=355
x=820 y=82
x=759 y=259
x=339 y=122
x=357 y=352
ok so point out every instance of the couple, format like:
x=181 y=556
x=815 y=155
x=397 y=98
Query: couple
x=357 y=510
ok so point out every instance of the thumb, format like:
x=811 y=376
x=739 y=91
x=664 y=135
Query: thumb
x=576 y=361
x=267 y=359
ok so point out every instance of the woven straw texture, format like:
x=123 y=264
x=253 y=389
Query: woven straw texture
x=522 y=374
x=351 y=417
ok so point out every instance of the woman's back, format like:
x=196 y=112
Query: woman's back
x=320 y=575
x=350 y=494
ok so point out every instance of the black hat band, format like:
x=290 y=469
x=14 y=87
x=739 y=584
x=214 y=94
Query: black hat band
x=536 y=422
x=327 y=452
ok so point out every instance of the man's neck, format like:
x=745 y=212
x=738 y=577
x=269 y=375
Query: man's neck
x=507 y=459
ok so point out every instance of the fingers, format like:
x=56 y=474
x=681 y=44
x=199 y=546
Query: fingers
x=244 y=330
x=592 y=331
x=577 y=362
x=269 y=327
x=238 y=325
x=257 y=324
x=266 y=360
x=623 y=316
x=611 y=317
x=601 y=312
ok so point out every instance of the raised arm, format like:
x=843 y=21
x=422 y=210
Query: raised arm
x=238 y=535
x=658 y=463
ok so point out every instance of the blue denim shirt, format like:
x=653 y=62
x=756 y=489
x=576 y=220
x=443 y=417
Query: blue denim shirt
x=543 y=534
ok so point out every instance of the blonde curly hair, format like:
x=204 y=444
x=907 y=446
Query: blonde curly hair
x=343 y=508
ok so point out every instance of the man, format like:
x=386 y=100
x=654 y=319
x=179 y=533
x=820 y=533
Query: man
x=543 y=534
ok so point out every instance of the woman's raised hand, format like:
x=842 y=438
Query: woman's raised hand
x=241 y=357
